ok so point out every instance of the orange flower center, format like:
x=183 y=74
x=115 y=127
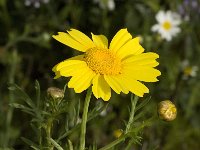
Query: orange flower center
x=188 y=71
x=102 y=61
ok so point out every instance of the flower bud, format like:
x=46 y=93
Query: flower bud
x=117 y=133
x=55 y=93
x=167 y=110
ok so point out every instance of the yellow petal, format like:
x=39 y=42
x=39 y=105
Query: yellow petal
x=123 y=87
x=70 y=41
x=101 y=88
x=142 y=73
x=146 y=63
x=120 y=39
x=81 y=38
x=81 y=81
x=74 y=60
x=54 y=68
x=73 y=69
x=140 y=58
x=145 y=59
x=132 y=47
x=112 y=84
x=70 y=67
x=134 y=86
x=57 y=75
x=115 y=84
x=116 y=81
x=100 y=41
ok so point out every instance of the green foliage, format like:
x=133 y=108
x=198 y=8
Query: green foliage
x=46 y=117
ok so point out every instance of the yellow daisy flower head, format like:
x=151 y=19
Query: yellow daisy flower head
x=119 y=66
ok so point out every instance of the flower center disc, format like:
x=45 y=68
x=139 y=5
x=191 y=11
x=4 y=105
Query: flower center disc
x=167 y=25
x=188 y=70
x=102 y=61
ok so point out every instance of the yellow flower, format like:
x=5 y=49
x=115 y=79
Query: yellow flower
x=119 y=66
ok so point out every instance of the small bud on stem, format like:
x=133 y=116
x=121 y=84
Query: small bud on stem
x=167 y=110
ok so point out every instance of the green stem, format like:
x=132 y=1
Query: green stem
x=5 y=16
x=131 y=119
x=129 y=145
x=84 y=119
x=112 y=144
x=11 y=80
x=48 y=133
x=77 y=127
x=132 y=113
x=23 y=38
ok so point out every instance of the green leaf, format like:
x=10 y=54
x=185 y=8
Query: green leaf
x=28 y=112
x=55 y=144
x=96 y=110
x=77 y=108
x=94 y=146
x=37 y=87
x=32 y=144
x=23 y=108
x=70 y=145
x=153 y=4
x=65 y=87
x=20 y=106
x=21 y=95
x=142 y=104
x=138 y=116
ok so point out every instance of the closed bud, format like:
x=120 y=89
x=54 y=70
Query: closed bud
x=117 y=133
x=167 y=110
x=55 y=93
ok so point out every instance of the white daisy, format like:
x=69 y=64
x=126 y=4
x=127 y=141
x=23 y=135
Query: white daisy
x=168 y=24
x=191 y=71
x=106 y=4
x=35 y=3
x=188 y=70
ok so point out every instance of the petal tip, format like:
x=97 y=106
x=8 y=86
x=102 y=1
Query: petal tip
x=54 y=36
x=105 y=100
x=57 y=76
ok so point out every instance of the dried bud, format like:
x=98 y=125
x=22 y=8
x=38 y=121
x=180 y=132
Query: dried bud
x=55 y=93
x=167 y=110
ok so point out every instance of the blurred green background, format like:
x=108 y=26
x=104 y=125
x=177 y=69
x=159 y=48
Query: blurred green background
x=28 y=52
